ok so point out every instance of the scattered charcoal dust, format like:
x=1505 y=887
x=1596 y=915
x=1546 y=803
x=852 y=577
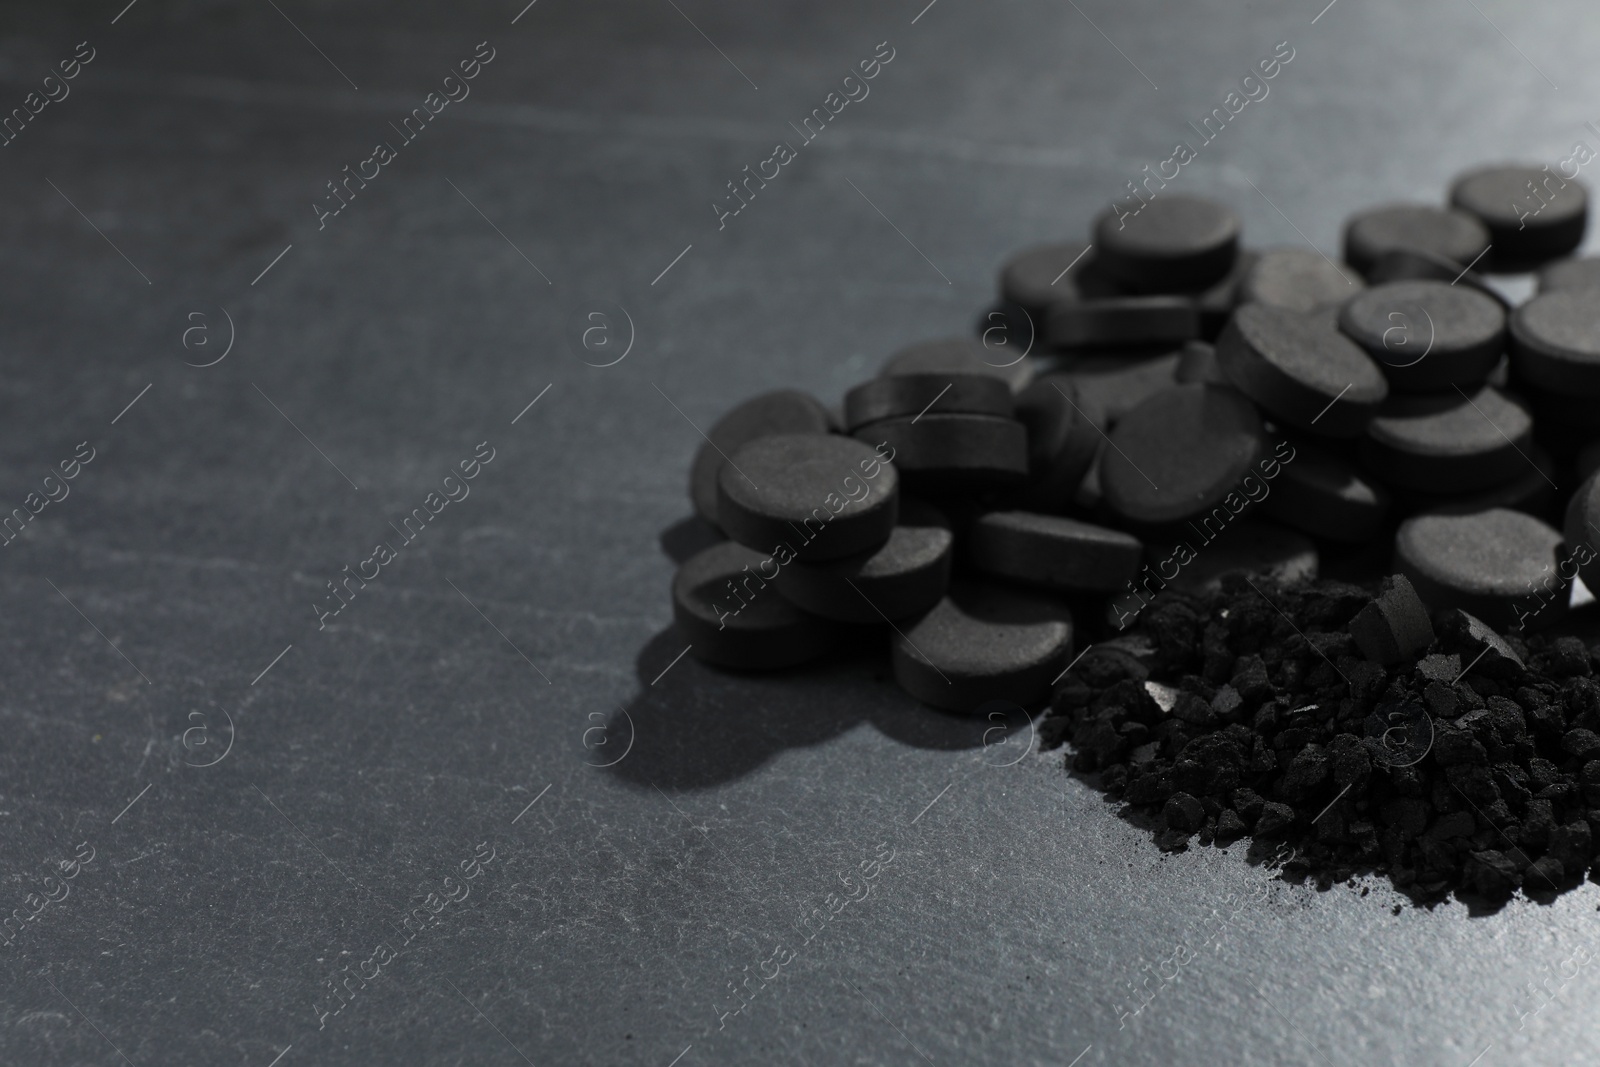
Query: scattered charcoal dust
x=1471 y=768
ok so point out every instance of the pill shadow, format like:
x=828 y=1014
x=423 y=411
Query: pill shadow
x=695 y=726
x=689 y=537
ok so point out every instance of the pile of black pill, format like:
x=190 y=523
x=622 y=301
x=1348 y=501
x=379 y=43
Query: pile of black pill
x=1152 y=417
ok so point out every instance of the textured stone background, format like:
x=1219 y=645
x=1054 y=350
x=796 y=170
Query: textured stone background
x=530 y=622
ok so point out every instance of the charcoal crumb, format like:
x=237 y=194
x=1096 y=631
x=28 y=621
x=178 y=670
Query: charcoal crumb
x=1545 y=873
x=1568 y=658
x=1247 y=802
x=1582 y=743
x=1351 y=761
x=1492 y=873
x=1309 y=769
x=1184 y=812
x=1172 y=840
x=1440 y=667
x=1274 y=818
x=1250 y=679
x=1230 y=827
x=1227 y=702
x=1468 y=767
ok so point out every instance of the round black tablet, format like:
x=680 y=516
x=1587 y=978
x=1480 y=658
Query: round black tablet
x=1583 y=273
x=1299 y=279
x=1122 y=322
x=952 y=450
x=906 y=575
x=1319 y=492
x=1301 y=369
x=820 y=497
x=1500 y=376
x=1427 y=336
x=1394 y=626
x=1447 y=442
x=1415 y=265
x=981 y=643
x=1090 y=496
x=1053 y=552
x=1180 y=453
x=721 y=602
x=1555 y=342
x=1533 y=214
x=1443 y=231
x=783 y=411
x=1582 y=530
x=1173 y=244
x=1217 y=301
x=1043 y=275
x=1487 y=563
x=1111 y=386
x=926 y=394
x=1246 y=546
x=1412 y=265
x=1062 y=441
x=1531 y=489
x=959 y=355
x=1197 y=362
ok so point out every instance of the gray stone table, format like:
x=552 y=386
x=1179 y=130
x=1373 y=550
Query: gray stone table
x=252 y=792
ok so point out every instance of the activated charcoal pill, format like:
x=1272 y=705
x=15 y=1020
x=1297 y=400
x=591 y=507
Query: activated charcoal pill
x=1555 y=342
x=904 y=576
x=1532 y=214
x=944 y=452
x=1117 y=322
x=1489 y=563
x=1037 y=278
x=981 y=643
x=1053 y=552
x=1325 y=495
x=816 y=497
x=1298 y=279
x=1179 y=453
x=1171 y=244
x=1427 y=336
x=782 y=411
x=1062 y=441
x=1301 y=369
x=1449 y=442
x=924 y=394
x=1455 y=235
x=1581 y=273
x=957 y=355
x=1582 y=529
x=723 y=602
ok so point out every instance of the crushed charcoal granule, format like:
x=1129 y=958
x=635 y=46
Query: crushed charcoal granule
x=1470 y=767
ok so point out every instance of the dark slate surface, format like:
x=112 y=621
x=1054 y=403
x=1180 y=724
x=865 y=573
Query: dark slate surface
x=472 y=678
